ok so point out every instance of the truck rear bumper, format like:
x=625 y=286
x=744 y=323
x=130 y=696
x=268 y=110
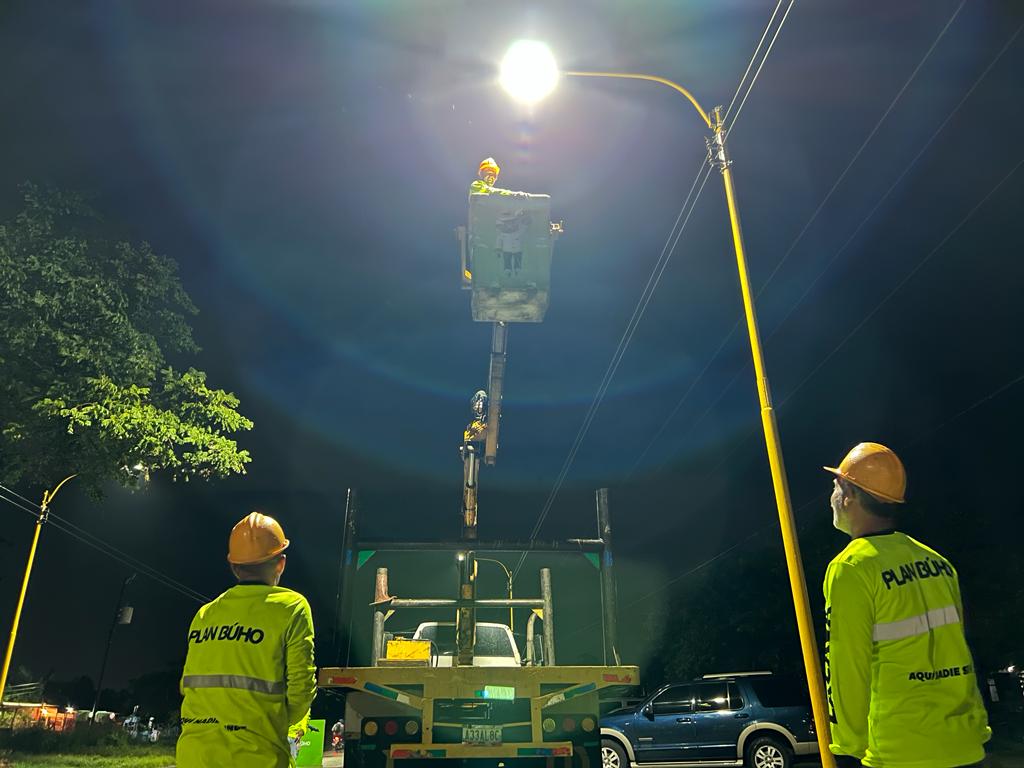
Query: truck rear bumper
x=456 y=751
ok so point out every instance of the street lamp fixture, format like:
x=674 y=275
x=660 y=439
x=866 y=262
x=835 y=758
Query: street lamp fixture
x=528 y=73
x=509 y=578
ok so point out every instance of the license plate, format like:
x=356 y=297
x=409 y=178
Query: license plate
x=481 y=734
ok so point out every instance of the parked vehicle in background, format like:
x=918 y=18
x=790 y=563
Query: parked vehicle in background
x=755 y=719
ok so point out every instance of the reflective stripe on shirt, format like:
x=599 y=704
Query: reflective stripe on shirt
x=233 y=681
x=916 y=625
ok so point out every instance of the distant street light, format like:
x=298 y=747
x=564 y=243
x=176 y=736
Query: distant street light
x=509 y=579
x=526 y=75
x=44 y=510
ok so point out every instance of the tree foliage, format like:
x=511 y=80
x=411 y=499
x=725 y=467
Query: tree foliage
x=85 y=381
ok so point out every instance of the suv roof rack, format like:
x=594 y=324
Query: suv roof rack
x=721 y=675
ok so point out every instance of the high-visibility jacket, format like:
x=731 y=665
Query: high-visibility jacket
x=248 y=676
x=481 y=187
x=901 y=685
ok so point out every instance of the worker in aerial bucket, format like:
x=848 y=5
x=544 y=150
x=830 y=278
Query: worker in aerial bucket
x=487 y=176
x=249 y=676
x=901 y=686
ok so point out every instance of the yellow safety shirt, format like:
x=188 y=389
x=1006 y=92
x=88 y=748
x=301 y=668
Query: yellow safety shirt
x=249 y=676
x=902 y=691
x=481 y=187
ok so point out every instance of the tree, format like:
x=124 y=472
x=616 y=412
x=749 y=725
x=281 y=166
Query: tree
x=85 y=383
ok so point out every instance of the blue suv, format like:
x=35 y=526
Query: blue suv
x=754 y=719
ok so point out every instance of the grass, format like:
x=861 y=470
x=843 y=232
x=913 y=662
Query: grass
x=104 y=757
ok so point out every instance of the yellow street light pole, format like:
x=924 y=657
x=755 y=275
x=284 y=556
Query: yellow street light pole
x=798 y=583
x=44 y=510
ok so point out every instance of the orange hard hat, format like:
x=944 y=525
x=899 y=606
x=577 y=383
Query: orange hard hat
x=876 y=469
x=256 y=538
x=488 y=164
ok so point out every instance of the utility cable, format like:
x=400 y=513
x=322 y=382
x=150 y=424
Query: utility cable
x=652 y=284
x=761 y=66
x=753 y=56
x=866 y=318
x=1019 y=378
x=682 y=219
x=979 y=402
x=818 y=498
x=680 y=401
x=124 y=556
x=19 y=505
x=131 y=563
x=860 y=150
x=18 y=495
x=896 y=183
x=842 y=248
x=917 y=268
x=736 y=326
x=101 y=545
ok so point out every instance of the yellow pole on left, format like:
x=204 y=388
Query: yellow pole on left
x=44 y=509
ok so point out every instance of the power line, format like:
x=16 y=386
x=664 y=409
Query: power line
x=125 y=557
x=860 y=150
x=652 y=284
x=1019 y=378
x=732 y=332
x=979 y=402
x=18 y=495
x=682 y=219
x=896 y=183
x=145 y=570
x=101 y=545
x=19 y=505
x=753 y=56
x=761 y=66
x=679 y=403
x=849 y=240
x=920 y=264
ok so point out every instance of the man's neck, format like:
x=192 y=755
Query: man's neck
x=869 y=525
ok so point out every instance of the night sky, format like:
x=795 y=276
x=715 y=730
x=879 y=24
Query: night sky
x=306 y=162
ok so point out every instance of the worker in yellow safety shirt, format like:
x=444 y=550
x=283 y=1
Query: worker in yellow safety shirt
x=487 y=177
x=901 y=685
x=249 y=676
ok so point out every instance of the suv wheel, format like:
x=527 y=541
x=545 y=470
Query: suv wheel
x=613 y=755
x=766 y=752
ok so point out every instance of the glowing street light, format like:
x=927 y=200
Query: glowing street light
x=528 y=71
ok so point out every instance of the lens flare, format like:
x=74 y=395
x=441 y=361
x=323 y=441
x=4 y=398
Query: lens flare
x=528 y=71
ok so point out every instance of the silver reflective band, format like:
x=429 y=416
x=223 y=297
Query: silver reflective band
x=917 y=625
x=233 y=681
